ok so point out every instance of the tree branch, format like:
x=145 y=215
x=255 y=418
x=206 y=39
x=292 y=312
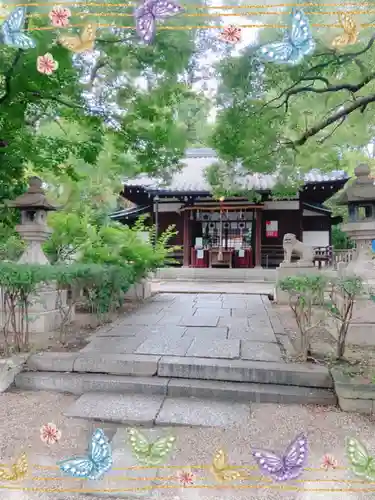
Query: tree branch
x=8 y=76
x=291 y=91
x=360 y=103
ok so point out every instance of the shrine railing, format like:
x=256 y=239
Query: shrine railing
x=325 y=256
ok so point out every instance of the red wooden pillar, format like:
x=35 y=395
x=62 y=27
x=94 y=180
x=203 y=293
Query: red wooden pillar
x=258 y=238
x=186 y=239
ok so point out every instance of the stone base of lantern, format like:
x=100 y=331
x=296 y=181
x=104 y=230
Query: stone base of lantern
x=362 y=327
x=139 y=291
x=44 y=316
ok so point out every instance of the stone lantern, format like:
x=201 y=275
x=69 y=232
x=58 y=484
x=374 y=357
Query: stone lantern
x=34 y=231
x=33 y=228
x=359 y=197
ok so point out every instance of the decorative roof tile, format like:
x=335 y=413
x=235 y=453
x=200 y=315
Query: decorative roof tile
x=191 y=178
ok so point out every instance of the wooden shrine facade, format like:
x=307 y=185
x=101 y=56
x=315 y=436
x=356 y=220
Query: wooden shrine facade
x=232 y=232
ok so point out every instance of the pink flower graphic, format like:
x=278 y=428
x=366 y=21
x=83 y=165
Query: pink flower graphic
x=46 y=64
x=50 y=434
x=59 y=16
x=329 y=462
x=185 y=477
x=231 y=34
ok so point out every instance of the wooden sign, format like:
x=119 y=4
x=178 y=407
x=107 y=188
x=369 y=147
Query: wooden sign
x=272 y=229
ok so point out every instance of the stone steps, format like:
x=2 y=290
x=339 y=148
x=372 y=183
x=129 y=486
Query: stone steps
x=223 y=275
x=144 y=365
x=128 y=375
x=239 y=392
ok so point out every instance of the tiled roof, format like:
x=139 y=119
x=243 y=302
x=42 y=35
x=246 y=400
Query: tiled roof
x=191 y=178
x=130 y=213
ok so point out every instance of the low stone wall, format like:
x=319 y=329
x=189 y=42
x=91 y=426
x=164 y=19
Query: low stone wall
x=354 y=393
x=139 y=291
x=44 y=316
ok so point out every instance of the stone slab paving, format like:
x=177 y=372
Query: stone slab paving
x=207 y=333
x=208 y=348
x=132 y=409
x=148 y=410
x=163 y=345
x=260 y=351
x=193 y=412
x=208 y=325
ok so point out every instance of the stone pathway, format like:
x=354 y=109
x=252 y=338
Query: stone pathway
x=235 y=326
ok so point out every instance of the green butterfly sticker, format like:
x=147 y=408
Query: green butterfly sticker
x=362 y=464
x=150 y=454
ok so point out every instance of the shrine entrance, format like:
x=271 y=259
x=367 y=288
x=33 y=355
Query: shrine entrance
x=223 y=235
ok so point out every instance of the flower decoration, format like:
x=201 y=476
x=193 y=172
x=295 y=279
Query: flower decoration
x=59 y=16
x=49 y=433
x=329 y=462
x=46 y=64
x=185 y=477
x=231 y=34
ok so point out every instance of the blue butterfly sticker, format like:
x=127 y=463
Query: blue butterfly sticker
x=11 y=30
x=96 y=464
x=297 y=43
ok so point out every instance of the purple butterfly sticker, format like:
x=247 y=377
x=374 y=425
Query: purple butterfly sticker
x=288 y=466
x=149 y=12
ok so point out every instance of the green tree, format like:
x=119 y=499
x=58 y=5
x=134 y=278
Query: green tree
x=131 y=87
x=289 y=120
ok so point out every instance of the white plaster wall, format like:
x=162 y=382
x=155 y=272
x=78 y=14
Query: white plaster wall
x=168 y=207
x=282 y=205
x=315 y=238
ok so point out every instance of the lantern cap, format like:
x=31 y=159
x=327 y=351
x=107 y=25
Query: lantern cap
x=34 y=198
x=361 y=189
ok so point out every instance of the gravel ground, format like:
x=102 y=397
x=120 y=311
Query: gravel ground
x=268 y=426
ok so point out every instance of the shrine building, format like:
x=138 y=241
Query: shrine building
x=232 y=232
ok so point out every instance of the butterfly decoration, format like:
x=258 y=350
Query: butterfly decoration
x=11 y=30
x=151 y=11
x=97 y=462
x=362 y=464
x=231 y=34
x=221 y=470
x=150 y=454
x=17 y=471
x=287 y=466
x=349 y=26
x=84 y=42
x=296 y=44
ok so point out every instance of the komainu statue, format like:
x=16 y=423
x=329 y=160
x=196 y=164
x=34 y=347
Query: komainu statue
x=291 y=244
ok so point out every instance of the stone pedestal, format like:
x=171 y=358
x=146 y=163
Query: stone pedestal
x=44 y=315
x=362 y=264
x=139 y=291
x=287 y=269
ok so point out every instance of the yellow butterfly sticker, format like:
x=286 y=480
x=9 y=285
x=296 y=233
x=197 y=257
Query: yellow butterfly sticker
x=349 y=26
x=222 y=471
x=18 y=470
x=81 y=43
